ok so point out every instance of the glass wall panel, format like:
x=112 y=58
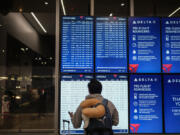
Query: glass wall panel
x=27 y=63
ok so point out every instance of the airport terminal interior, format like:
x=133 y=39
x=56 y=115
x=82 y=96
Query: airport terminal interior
x=51 y=49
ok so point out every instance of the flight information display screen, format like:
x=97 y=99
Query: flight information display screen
x=74 y=89
x=171 y=45
x=172 y=103
x=115 y=88
x=111 y=45
x=144 y=45
x=77 y=44
x=145 y=104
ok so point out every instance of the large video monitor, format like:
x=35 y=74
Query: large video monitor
x=145 y=104
x=77 y=44
x=171 y=45
x=111 y=45
x=172 y=103
x=144 y=45
x=73 y=91
x=115 y=88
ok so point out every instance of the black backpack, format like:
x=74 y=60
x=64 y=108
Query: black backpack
x=101 y=124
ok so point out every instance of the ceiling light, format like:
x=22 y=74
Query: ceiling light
x=18 y=97
x=122 y=4
x=22 y=49
x=3 y=78
x=3 y=51
x=50 y=58
x=46 y=3
x=27 y=49
x=40 y=58
x=20 y=10
x=111 y=14
x=19 y=78
x=37 y=20
x=174 y=12
x=0 y=25
x=12 y=78
x=64 y=11
x=18 y=87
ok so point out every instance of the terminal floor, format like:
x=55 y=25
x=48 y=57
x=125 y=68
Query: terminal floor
x=27 y=121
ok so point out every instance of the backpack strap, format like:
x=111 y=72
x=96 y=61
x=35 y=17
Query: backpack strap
x=108 y=115
x=105 y=102
x=98 y=104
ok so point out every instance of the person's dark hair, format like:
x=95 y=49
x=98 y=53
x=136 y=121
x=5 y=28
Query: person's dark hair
x=94 y=86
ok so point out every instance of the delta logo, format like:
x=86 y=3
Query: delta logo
x=134 y=128
x=115 y=75
x=81 y=17
x=133 y=68
x=167 y=68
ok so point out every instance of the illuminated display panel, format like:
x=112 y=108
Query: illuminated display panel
x=172 y=103
x=73 y=91
x=144 y=45
x=115 y=88
x=77 y=44
x=145 y=104
x=171 y=45
x=111 y=45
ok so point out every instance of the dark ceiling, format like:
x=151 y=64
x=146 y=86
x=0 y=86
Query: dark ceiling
x=116 y=7
x=34 y=5
x=46 y=13
x=156 y=7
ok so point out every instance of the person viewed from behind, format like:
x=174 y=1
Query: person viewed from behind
x=98 y=113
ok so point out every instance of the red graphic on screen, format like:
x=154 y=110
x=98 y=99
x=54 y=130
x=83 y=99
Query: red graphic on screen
x=134 y=127
x=167 y=67
x=81 y=17
x=115 y=75
x=81 y=75
x=114 y=18
x=133 y=67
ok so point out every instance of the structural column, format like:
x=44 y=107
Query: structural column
x=131 y=7
x=56 y=76
x=92 y=7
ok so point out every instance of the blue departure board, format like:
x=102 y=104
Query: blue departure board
x=144 y=45
x=115 y=88
x=77 y=44
x=172 y=103
x=145 y=104
x=111 y=45
x=171 y=45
